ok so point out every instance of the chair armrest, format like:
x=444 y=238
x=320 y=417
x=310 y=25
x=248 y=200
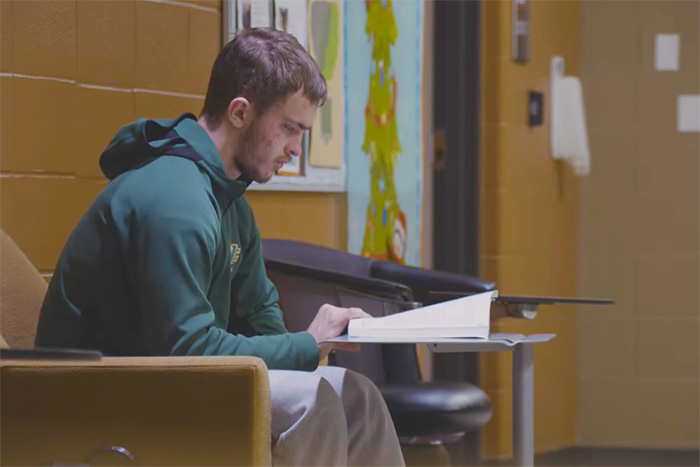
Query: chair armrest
x=369 y=285
x=424 y=281
x=163 y=410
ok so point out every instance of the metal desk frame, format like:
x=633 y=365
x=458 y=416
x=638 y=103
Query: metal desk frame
x=523 y=375
x=523 y=392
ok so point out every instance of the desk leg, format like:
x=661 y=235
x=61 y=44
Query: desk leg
x=523 y=414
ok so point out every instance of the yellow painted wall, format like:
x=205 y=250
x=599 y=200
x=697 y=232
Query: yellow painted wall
x=639 y=230
x=72 y=72
x=528 y=218
x=311 y=217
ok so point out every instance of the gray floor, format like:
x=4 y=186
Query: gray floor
x=582 y=456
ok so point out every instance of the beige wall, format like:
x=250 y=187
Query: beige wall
x=72 y=72
x=528 y=220
x=638 y=230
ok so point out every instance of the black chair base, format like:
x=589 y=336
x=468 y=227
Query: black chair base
x=425 y=455
x=436 y=412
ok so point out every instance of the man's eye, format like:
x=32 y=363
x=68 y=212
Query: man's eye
x=293 y=129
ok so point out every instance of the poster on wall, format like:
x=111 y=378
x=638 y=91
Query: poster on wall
x=326 y=47
x=384 y=128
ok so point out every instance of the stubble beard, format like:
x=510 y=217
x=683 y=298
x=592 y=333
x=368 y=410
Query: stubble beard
x=246 y=162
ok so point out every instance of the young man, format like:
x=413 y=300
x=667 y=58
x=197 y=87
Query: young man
x=167 y=258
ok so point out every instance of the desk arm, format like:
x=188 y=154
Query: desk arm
x=513 y=310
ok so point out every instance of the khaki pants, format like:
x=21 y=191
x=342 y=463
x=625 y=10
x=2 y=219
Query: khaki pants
x=332 y=416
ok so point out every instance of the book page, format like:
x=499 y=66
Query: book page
x=462 y=313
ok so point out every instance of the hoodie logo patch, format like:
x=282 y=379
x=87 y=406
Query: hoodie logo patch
x=234 y=254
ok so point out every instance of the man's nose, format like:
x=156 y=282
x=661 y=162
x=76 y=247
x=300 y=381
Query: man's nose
x=294 y=149
x=289 y=152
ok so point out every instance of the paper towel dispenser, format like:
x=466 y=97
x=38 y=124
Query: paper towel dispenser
x=568 y=117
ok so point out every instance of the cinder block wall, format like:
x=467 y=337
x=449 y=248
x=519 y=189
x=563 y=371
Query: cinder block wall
x=528 y=217
x=71 y=73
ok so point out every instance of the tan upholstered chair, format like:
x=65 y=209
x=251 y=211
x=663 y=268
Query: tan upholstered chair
x=158 y=410
x=22 y=290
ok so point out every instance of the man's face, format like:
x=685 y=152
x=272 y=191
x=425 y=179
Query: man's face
x=274 y=137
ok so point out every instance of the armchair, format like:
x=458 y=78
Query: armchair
x=161 y=411
x=154 y=410
x=424 y=413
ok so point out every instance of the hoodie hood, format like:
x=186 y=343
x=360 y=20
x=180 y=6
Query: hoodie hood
x=140 y=142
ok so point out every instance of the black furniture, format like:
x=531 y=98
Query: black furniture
x=424 y=413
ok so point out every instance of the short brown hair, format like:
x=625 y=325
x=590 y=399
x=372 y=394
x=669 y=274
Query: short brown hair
x=265 y=66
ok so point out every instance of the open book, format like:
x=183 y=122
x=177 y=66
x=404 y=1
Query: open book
x=463 y=317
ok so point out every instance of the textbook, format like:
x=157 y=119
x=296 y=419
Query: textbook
x=461 y=317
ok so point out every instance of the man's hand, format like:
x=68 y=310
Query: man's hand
x=329 y=322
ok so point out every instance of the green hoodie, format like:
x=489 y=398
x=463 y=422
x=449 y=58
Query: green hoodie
x=167 y=258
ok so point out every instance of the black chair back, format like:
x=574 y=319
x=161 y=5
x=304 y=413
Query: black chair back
x=308 y=276
x=316 y=256
x=400 y=361
x=424 y=281
x=305 y=277
x=300 y=300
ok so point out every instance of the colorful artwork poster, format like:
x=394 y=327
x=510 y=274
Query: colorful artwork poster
x=384 y=128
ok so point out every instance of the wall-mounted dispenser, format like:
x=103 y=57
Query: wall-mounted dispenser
x=568 y=117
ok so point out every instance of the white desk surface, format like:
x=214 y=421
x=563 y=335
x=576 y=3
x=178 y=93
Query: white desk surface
x=496 y=341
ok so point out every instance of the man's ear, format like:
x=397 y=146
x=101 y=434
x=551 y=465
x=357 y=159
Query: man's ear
x=240 y=112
